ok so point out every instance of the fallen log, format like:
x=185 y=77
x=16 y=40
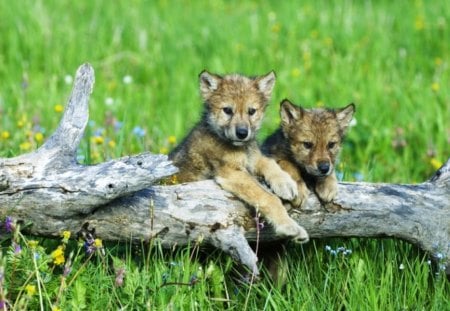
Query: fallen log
x=122 y=201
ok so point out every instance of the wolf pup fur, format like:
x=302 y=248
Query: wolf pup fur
x=306 y=146
x=222 y=146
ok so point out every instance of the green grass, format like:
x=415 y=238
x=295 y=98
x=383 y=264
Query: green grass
x=391 y=58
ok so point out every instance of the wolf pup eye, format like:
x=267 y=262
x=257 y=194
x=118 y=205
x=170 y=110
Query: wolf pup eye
x=251 y=111
x=307 y=144
x=331 y=145
x=228 y=110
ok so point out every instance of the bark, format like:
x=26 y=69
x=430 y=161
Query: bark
x=122 y=201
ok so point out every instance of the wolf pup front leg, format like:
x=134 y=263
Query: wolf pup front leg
x=222 y=146
x=310 y=140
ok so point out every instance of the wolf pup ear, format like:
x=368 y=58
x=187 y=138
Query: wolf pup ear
x=265 y=84
x=289 y=112
x=345 y=115
x=208 y=83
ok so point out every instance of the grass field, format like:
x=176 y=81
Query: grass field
x=391 y=58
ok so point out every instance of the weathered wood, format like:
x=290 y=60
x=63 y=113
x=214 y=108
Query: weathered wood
x=119 y=199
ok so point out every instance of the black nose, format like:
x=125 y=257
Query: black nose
x=241 y=132
x=323 y=167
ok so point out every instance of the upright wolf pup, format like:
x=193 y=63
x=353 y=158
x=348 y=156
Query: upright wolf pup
x=306 y=146
x=222 y=146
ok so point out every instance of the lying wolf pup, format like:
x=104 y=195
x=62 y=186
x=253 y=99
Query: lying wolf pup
x=222 y=146
x=306 y=146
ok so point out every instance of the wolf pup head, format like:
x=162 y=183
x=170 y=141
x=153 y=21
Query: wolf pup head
x=315 y=135
x=235 y=104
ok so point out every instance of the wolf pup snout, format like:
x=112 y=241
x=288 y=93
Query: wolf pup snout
x=324 y=168
x=241 y=132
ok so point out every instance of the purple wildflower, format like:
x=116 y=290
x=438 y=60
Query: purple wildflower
x=120 y=274
x=67 y=268
x=89 y=246
x=17 y=248
x=9 y=224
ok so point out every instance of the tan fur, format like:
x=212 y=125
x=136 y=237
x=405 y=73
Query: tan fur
x=222 y=146
x=306 y=146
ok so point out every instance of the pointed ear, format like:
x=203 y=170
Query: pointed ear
x=345 y=115
x=265 y=84
x=289 y=112
x=208 y=83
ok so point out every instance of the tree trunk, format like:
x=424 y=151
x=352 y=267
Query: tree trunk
x=120 y=200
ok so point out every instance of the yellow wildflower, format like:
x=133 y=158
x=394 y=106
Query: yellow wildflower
x=328 y=41
x=112 y=85
x=5 y=134
x=419 y=23
x=295 y=72
x=59 y=108
x=33 y=244
x=172 y=139
x=163 y=150
x=435 y=163
x=435 y=86
x=112 y=144
x=98 y=243
x=438 y=61
x=23 y=120
x=66 y=236
x=25 y=146
x=56 y=308
x=39 y=137
x=95 y=155
x=174 y=179
x=276 y=27
x=30 y=289
x=98 y=140
x=58 y=256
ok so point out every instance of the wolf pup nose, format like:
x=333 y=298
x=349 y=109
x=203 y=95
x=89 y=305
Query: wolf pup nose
x=324 y=168
x=222 y=146
x=241 y=132
x=306 y=146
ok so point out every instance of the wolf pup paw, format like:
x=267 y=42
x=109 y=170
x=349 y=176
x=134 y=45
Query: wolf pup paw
x=293 y=231
x=302 y=196
x=284 y=187
x=327 y=190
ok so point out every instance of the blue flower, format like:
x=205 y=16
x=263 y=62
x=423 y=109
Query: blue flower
x=339 y=175
x=117 y=125
x=99 y=132
x=139 y=131
x=358 y=176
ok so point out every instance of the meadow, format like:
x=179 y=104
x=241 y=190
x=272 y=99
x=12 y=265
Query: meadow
x=390 y=58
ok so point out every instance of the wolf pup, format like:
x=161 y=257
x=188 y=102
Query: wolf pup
x=222 y=146
x=306 y=146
